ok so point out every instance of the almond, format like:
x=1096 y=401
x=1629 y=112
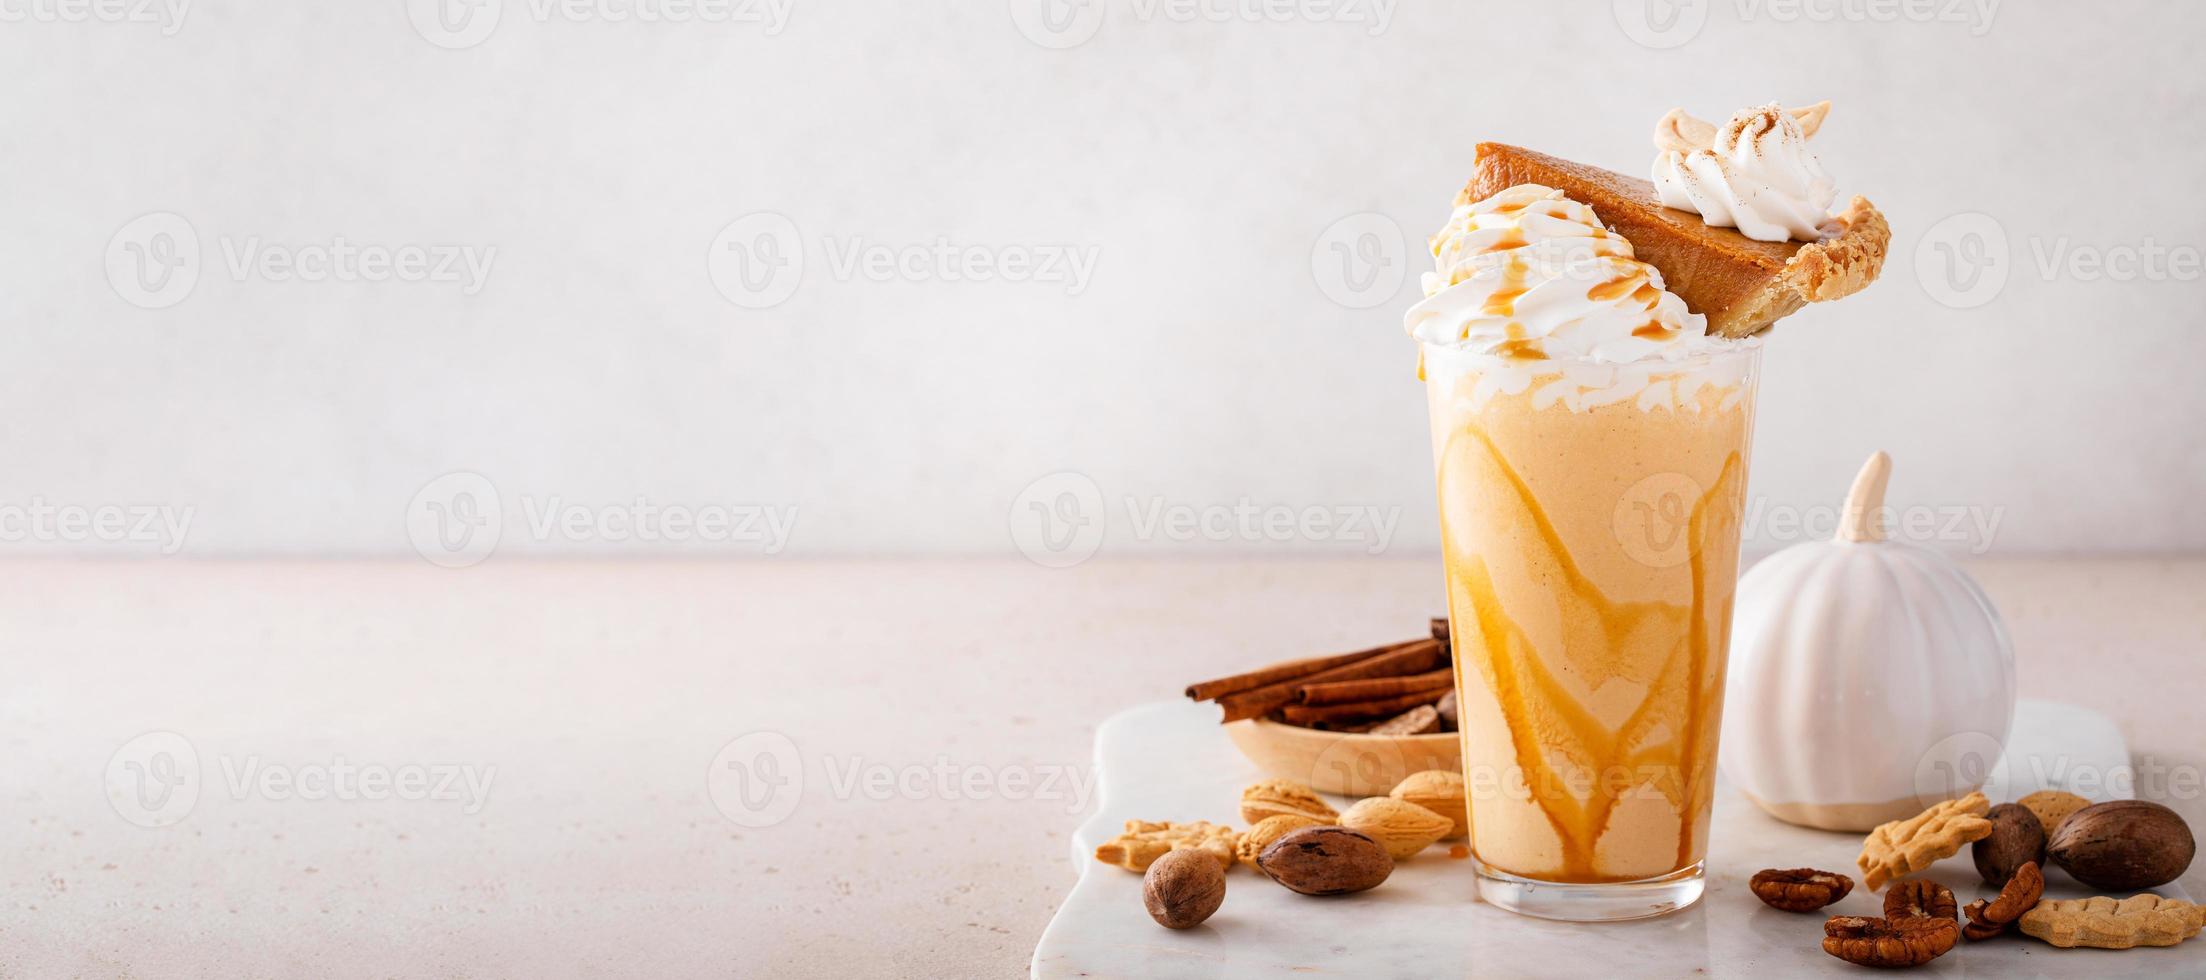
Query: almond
x=1273 y=797
x=1401 y=827
x=1441 y=791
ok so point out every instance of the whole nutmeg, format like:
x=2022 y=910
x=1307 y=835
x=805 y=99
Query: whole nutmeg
x=1326 y=861
x=1183 y=888
x=2016 y=839
x=2123 y=845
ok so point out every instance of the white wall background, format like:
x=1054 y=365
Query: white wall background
x=1200 y=161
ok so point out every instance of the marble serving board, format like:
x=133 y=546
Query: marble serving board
x=1172 y=762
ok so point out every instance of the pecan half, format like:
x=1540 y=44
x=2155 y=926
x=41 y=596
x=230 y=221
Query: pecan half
x=1988 y=918
x=1902 y=942
x=1918 y=926
x=1799 y=889
x=1919 y=898
x=1976 y=928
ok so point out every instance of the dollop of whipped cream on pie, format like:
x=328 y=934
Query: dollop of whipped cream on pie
x=1532 y=275
x=1755 y=174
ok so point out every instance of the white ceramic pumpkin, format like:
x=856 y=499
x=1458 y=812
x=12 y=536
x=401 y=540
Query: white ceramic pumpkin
x=1868 y=678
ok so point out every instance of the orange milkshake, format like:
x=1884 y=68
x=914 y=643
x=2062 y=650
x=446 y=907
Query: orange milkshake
x=1591 y=388
x=1590 y=441
x=1591 y=551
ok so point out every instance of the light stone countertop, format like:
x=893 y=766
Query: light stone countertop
x=941 y=713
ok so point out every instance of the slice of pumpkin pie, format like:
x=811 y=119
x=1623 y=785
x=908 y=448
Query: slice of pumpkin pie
x=1707 y=257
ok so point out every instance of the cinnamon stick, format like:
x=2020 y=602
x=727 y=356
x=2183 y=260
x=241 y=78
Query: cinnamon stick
x=1372 y=689
x=1207 y=690
x=1440 y=628
x=1306 y=714
x=1412 y=657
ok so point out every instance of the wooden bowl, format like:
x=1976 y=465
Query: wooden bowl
x=1343 y=763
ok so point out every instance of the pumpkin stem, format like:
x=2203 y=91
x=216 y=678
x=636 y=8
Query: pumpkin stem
x=1864 y=516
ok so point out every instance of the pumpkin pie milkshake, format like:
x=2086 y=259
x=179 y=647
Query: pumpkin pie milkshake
x=1590 y=437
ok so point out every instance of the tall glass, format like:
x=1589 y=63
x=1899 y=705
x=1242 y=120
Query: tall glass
x=1590 y=520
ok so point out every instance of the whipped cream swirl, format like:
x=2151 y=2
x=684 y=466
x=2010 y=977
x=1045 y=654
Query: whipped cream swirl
x=1532 y=275
x=1758 y=177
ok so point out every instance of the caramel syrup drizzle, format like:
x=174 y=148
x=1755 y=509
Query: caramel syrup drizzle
x=1514 y=671
x=1515 y=281
x=1618 y=288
